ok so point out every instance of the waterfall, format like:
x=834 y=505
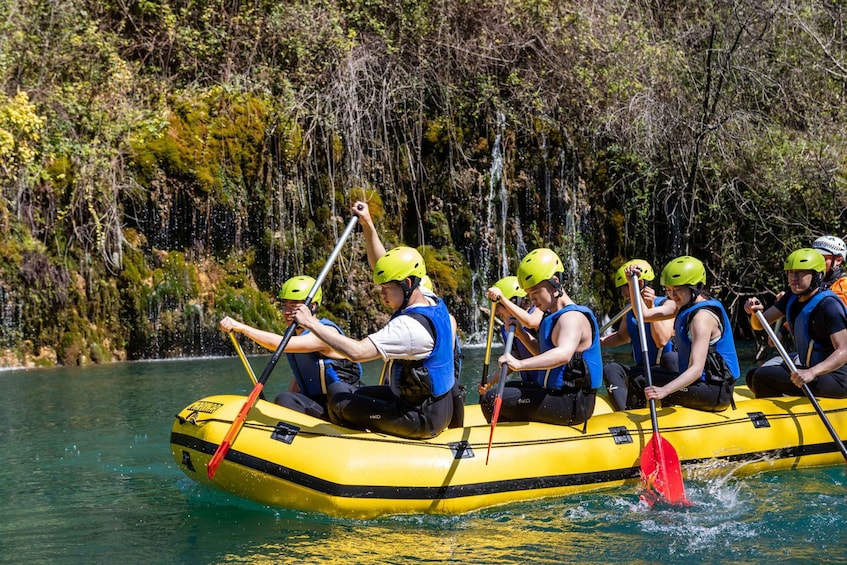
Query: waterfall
x=492 y=248
x=571 y=231
x=11 y=333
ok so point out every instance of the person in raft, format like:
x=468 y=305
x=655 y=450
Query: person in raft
x=416 y=346
x=375 y=249
x=317 y=368
x=626 y=383
x=513 y=306
x=817 y=320
x=834 y=252
x=568 y=368
x=708 y=361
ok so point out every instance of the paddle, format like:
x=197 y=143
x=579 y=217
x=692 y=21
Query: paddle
x=793 y=368
x=238 y=423
x=242 y=357
x=488 y=341
x=661 y=472
x=615 y=318
x=501 y=384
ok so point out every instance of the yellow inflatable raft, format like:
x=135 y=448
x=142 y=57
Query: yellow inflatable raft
x=286 y=459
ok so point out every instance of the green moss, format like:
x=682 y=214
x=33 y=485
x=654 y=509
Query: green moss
x=213 y=139
x=446 y=268
x=176 y=281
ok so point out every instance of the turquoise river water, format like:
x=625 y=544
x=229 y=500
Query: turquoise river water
x=87 y=477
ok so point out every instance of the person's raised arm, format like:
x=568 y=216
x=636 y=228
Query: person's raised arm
x=373 y=244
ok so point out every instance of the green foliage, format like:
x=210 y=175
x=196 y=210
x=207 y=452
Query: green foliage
x=214 y=140
x=166 y=163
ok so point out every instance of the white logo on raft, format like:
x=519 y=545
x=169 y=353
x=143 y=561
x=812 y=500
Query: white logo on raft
x=524 y=401
x=375 y=417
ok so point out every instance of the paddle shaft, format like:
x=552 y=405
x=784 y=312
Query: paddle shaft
x=642 y=337
x=615 y=318
x=238 y=423
x=501 y=385
x=242 y=357
x=488 y=341
x=793 y=368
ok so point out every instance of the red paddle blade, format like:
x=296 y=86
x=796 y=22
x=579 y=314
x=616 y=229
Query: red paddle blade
x=661 y=473
x=232 y=433
x=497 y=403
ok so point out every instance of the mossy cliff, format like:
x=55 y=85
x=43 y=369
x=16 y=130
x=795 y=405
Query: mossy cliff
x=163 y=164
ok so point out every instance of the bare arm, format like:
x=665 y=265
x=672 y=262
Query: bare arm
x=308 y=343
x=618 y=337
x=572 y=333
x=772 y=314
x=834 y=361
x=703 y=327
x=373 y=244
x=661 y=330
x=530 y=320
x=665 y=311
x=352 y=349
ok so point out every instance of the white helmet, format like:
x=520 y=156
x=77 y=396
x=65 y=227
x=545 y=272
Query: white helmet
x=831 y=245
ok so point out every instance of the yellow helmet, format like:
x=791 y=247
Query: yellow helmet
x=539 y=265
x=805 y=259
x=683 y=270
x=646 y=272
x=297 y=288
x=510 y=288
x=398 y=264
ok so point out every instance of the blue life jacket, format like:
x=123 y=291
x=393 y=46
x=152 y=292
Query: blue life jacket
x=560 y=377
x=725 y=346
x=652 y=347
x=407 y=380
x=810 y=352
x=314 y=371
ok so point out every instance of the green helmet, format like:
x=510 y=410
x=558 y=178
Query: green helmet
x=805 y=259
x=539 y=265
x=684 y=270
x=297 y=288
x=510 y=288
x=646 y=272
x=398 y=264
x=426 y=282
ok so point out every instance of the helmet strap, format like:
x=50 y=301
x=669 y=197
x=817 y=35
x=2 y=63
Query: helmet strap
x=557 y=286
x=696 y=290
x=408 y=289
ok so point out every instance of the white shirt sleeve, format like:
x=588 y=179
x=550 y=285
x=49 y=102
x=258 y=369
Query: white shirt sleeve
x=403 y=338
